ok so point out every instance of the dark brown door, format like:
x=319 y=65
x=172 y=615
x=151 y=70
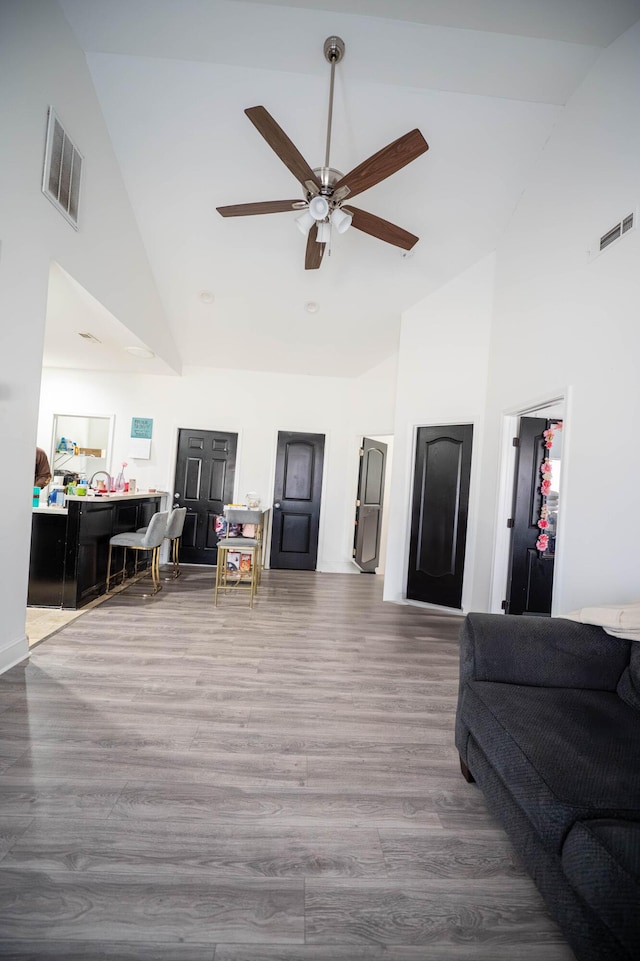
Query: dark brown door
x=439 y=514
x=530 y=570
x=205 y=471
x=366 y=543
x=296 y=501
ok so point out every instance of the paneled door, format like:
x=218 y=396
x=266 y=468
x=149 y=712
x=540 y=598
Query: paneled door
x=296 y=501
x=530 y=585
x=366 y=542
x=205 y=472
x=439 y=514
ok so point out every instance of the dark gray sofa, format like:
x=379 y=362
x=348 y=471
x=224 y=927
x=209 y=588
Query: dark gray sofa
x=548 y=724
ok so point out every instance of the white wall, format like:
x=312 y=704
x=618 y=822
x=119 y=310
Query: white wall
x=41 y=64
x=567 y=326
x=442 y=371
x=256 y=405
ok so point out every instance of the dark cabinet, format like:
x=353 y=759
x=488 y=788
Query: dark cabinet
x=69 y=552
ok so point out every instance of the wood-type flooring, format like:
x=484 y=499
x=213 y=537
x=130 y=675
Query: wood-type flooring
x=185 y=783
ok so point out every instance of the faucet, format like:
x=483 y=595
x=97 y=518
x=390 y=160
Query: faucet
x=106 y=474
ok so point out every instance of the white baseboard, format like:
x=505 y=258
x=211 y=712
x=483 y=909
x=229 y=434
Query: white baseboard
x=14 y=653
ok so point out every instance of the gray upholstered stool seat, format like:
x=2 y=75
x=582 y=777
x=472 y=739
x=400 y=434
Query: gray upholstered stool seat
x=173 y=533
x=149 y=539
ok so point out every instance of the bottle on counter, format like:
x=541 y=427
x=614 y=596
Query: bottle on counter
x=120 y=479
x=36 y=497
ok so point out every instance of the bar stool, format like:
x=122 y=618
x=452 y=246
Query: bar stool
x=231 y=580
x=173 y=533
x=148 y=540
x=175 y=526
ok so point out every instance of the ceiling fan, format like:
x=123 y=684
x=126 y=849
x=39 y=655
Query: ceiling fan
x=326 y=189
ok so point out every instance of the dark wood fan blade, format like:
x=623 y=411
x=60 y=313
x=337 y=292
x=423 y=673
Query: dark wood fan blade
x=265 y=207
x=280 y=144
x=382 y=164
x=382 y=229
x=313 y=256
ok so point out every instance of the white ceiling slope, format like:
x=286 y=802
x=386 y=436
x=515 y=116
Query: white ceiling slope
x=484 y=80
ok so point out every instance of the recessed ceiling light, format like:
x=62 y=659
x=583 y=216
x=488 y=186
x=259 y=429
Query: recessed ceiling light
x=206 y=296
x=311 y=307
x=143 y=352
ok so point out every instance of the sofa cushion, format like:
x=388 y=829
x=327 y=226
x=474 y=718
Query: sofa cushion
x=601 y=859
x=629 y=683
x=565 y=754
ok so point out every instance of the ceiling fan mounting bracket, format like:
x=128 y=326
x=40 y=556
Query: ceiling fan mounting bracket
x=333 y=49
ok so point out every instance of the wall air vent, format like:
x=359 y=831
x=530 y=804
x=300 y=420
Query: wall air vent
x=62 y=170
x=624 y=226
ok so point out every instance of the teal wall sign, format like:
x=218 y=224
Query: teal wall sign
x=142 y=427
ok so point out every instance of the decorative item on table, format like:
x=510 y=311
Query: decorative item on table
x=133 y=485
x=253 y=501
x=120 y=479
x=224 y=529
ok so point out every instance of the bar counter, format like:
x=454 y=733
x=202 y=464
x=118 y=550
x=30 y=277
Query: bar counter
x=70 y=545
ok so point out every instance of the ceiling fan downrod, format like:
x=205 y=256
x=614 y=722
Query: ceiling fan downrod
x=333 y=52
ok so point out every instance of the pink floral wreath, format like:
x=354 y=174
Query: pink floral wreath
x=542 y=542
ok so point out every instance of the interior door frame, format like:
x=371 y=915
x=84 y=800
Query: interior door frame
x=506 y=479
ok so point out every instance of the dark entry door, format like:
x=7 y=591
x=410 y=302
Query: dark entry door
x=530 y=570
x=296 y=501
x=439 y=514
x=205 y=471
x=366 y=542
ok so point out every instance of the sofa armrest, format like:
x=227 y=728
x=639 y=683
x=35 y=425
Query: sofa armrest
x=540 y=652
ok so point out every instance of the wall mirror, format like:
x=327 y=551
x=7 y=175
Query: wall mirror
x=80 y=445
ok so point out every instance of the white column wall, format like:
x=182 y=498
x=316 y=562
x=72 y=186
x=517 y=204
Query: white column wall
x=41 y=64
x=442 y=371
x=565 y=324
x=254 y=404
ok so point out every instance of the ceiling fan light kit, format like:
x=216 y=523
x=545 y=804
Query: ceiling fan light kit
x=319 y=207
x=326 y=189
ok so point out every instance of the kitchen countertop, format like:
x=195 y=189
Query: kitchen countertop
x=96 y=499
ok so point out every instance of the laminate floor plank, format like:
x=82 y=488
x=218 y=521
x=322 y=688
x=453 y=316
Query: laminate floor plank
x=180 y=782
x=206 y=849
x=408 y=912
x=245 y=770
x=294 y=807
x=435 y=951
x=55 y=797
x=78 y=906
x=11 y=829
x=436 y=854
x=55 y=950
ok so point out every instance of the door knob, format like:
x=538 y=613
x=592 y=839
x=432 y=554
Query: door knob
x=177 y=496
x=277 y=505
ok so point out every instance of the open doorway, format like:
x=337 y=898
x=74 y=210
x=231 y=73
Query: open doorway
x=528 y=538
x=371 y=517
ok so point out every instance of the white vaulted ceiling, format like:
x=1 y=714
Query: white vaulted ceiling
x=484 y=80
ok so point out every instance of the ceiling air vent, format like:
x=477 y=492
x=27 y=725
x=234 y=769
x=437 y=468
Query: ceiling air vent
x=62 y=170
